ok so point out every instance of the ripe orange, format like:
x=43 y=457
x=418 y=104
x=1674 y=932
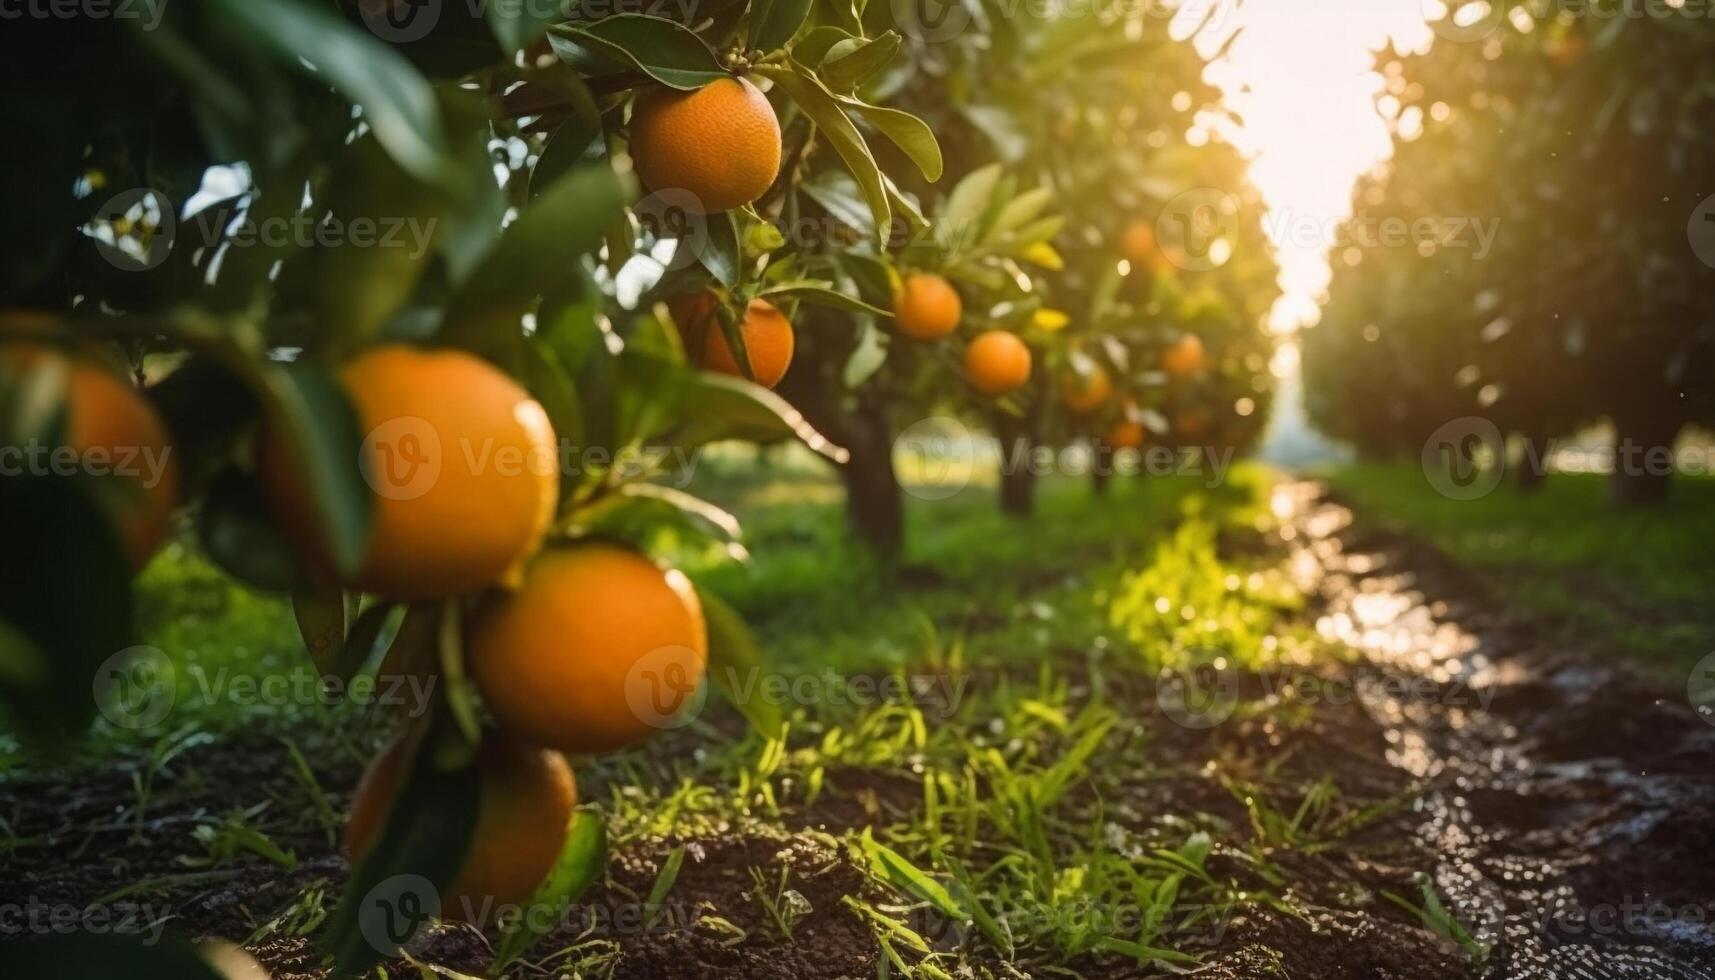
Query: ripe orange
x=528 y=795
x=1086 y=393
x=597 y=651
x=1185 y=359
x=768 y=337
x=117 y=439
x=997 y=362
x=1193 y=425
x=927 y=307
x=1140 y=248
x=720 y=143
x=463 y=464
x=1126 y=434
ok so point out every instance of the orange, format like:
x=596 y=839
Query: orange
x=1193 y=425
x=997 y=362
x=597 y=651
x=1126 y=434
x=927 y=307
x=528 y=795
x=117 y=439
x=1086 y=393
x=768 y=337
x=1138 y=245
x=720 y=144
x=1185 y=359
x=463 y=465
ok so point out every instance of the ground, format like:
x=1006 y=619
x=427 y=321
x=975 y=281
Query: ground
x=1245 y=733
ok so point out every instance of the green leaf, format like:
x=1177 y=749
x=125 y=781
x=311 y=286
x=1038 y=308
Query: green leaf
x=1020 y=211
x=582 y=863
x=398 y=102
x=573 y=144
x=321 y=616
x=664 y=50
x=825 y=111
x=773 y=23
x=422 y=843
x=900 y=873
x=822 y=295
x=316 y=420
x=718 y=407
x=961 y=219
x=851 y=63
x=720 y=253
x=838 y=194
x=96 y=955
x=867 y=358
x=637 y=511
x=70 y=600
x=818 y=42
x=516 y=24
x=238 y=529
x=359 y=646
x=735 y=665
x=536 y=252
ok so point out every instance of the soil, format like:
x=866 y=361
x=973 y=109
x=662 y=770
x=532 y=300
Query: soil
x=1563 y=809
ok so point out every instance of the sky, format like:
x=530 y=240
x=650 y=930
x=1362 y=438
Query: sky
x=1300 y=76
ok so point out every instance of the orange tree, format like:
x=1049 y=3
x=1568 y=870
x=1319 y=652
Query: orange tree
x=369 y=296
x=1589 y=299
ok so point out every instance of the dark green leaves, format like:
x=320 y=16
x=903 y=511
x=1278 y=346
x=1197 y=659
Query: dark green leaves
x=663 y=50
x=398 y=102
x=84 y=955
x=397 y=886
x=318 y=425
x=735 y=665
x=775 y=22
x=582 y=863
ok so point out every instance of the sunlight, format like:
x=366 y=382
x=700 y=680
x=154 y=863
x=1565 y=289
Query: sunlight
x=1300 y=77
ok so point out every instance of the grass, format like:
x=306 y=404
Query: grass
x=1638 y=582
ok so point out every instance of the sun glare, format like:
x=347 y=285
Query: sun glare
x=1300 y=77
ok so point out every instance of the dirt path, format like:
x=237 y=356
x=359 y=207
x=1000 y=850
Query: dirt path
x=1565 y=812
x=1571 y=808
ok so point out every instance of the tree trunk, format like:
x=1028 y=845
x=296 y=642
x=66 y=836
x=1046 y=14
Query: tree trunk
x=1643 y=456
x=875 y=502
x=1101 y=470
x=1532 y=468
